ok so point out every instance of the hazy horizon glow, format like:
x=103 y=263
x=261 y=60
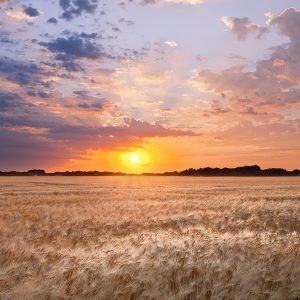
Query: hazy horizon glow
x=149 y=86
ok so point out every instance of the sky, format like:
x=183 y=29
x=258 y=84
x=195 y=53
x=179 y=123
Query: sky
x=149 y=85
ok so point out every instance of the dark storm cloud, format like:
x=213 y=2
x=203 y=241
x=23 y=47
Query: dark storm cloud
x=31 y=11
x=75 y=8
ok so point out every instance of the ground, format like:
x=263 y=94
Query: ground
x=149 y=238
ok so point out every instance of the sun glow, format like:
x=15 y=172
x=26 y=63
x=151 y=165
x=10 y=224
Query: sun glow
x=136 y=161
x=134 y=158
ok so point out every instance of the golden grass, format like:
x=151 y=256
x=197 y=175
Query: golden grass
x=149 y=238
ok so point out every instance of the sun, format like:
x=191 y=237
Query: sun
x=134 y=158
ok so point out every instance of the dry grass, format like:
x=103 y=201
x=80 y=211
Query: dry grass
x=150 y=238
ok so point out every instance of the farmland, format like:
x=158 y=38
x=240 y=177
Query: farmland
x=149 y=238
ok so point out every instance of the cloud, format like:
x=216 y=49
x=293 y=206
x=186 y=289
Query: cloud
x=52 y=20
x=40 y=109
x=287 y=22
x=75 y=8
x=132 y=128
x=286 y=58
x=31 y=12
x=58 y=143
x=24 y=149
x=142 y=129
x=8 y=100
x=274 y=82
x=75 y=47
x=171 y=43
x=6 y=38
x=19 y=14
x=260 y=88
x=68 y=50
x=172 y=2
x=91 y=105
x=242 y=27
x=273 y=134
x=163 y=2
x=21 y=72
x=52 y=127
x=132 y=132
x=88 y=103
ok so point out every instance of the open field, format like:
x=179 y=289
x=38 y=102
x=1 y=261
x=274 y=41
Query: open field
x=149 y=238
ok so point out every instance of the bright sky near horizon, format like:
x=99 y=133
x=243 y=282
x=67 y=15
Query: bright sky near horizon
x=149 y=85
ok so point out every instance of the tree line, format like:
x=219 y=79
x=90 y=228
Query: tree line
x=239 y=171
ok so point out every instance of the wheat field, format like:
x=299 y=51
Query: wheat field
x=149 y=238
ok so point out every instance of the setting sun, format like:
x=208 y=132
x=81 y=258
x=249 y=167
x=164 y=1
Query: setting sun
x=135 y=161
x=134 y=158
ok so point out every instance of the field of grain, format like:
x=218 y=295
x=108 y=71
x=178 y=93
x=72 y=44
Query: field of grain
x=149 y=238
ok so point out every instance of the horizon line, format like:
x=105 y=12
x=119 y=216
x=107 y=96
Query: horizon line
x=247 y=170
